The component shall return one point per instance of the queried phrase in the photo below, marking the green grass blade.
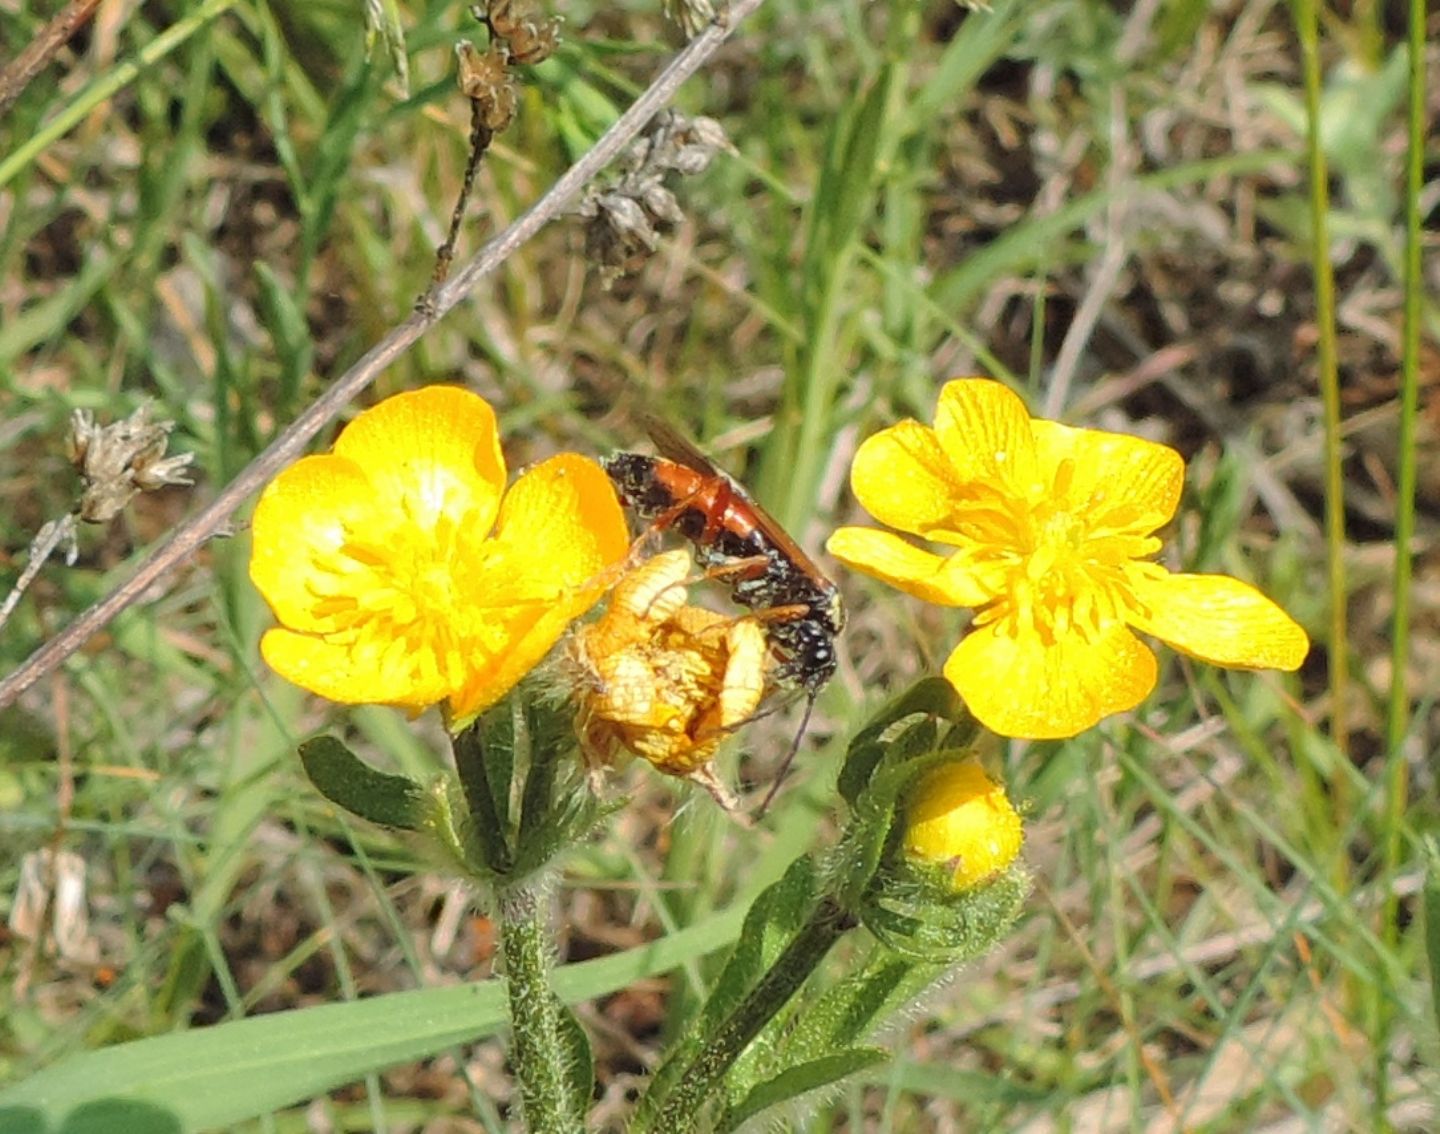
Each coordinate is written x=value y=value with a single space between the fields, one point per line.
x=1397 y=723
x=107 y=84
x=1432 y=922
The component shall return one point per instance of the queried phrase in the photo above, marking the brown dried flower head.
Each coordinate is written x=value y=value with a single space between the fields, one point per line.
x=691 y=16
x=484 y=78
x=525 y=40
x=119 y=460
x=663 y=680
x=625 y=219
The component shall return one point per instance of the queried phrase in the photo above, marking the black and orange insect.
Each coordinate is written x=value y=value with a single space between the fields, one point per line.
x=737 y=540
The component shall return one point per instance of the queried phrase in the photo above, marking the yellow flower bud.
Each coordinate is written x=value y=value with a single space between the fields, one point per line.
x=959 y=817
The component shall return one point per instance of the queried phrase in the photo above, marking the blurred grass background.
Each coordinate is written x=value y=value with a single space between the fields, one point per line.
x=219 y=206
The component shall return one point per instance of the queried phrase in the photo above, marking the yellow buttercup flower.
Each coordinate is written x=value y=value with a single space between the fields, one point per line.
x=958 y=817
x=1052 y=529
x=403 y=573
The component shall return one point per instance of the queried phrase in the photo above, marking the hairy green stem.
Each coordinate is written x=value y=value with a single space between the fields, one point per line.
x=538 y=1051
x=704 y=1073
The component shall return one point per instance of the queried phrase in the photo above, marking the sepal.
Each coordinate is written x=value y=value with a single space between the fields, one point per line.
x=348 y=782
x=916 y=913
x=933 y=699
x=523 y=788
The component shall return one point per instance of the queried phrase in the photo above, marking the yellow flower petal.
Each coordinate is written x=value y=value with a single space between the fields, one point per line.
x=957 y=814
x=984 y=429
x=341 y=673
x=1023 y=686
x=302 y=517
x=902 y=477
x=560 y=527
x=430 y=451
x=1219 y=620
x=564 y=518
x=527 y=637
x=942 y=580
x=1122 y=484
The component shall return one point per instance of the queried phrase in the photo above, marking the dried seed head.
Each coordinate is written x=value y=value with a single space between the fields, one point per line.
x=119 y=460
x=625 y=218
x=484 y=79
x=619 y=233
x=660 y=203
x=678 y=143
x=532 y=43
x=525 y=40
x=706 y=131
x=691 y=16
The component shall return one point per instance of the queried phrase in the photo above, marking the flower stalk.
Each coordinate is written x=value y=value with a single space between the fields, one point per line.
x=705 y=1072
x=539 y=1051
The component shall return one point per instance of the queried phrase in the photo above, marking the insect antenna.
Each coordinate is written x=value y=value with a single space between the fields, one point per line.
x=789 y=757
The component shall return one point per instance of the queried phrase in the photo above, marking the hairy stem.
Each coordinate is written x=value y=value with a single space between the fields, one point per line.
x=538 y=1051
x=703 y=1075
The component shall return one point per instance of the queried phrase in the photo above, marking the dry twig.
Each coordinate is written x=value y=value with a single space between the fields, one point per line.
x=487 y=81
x=18 y=73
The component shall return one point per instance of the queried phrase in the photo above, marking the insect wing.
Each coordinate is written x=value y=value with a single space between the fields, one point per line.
x=677 y=447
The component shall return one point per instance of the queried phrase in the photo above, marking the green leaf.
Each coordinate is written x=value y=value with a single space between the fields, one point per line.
x=288 y=329
x=874 y=831
x=802 y=1079
x=974 y=1088
x=217 y=1076
x=831 y=1023
x=771 y=923
x=383 y=20
x=347 y=781
x=580 y=1063
x=849 y=187
x=350 y=110
x=931 y=696
x=978 y=44
x=853 y=1008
